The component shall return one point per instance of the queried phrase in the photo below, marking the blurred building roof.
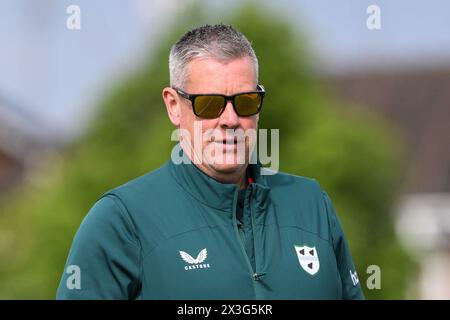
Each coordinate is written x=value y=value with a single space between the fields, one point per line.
x=23 y=136
x=23 y=142
x=418 y=102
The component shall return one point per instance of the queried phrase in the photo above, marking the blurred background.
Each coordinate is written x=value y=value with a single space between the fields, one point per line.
x=365 y=111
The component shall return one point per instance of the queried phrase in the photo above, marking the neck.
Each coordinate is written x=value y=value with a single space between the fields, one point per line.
x=238 y=177
x=243 y=181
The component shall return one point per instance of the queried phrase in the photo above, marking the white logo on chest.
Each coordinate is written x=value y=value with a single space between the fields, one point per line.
x=196 y=263
x=308 y=258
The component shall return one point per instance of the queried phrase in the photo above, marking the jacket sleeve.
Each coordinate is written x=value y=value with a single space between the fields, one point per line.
x=104 y=260
x=351 y=288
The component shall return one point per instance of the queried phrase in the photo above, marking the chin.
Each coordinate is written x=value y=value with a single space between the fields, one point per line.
x=227 y=168
x=224 y=159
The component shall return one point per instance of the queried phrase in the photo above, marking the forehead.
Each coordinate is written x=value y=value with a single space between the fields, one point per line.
x=212 y=75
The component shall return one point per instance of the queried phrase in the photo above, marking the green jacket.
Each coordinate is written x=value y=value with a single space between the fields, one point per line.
x=174 y=234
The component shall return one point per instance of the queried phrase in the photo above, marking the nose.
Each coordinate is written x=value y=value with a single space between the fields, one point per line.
x=229 y=118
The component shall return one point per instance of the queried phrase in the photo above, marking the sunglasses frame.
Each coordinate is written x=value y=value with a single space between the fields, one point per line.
x=260 y=90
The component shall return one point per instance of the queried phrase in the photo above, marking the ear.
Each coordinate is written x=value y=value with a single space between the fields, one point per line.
x=173 y=105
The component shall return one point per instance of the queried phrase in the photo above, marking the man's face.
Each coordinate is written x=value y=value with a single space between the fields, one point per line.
x=211 y=76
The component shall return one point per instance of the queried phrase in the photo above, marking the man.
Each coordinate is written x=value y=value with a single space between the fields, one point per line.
x=217 y=227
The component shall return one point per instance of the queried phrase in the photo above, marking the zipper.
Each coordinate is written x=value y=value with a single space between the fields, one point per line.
x=255 y=276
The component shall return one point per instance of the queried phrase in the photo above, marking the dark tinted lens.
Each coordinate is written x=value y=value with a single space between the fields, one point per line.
x=208 y=107
x=248 y=104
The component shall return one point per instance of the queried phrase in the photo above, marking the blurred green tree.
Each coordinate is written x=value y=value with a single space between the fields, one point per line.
x=351 y=153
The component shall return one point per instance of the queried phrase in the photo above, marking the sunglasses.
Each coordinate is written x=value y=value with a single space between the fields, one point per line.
x=210 y=106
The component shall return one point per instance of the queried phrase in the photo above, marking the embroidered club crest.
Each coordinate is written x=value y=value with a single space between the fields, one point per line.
x=308 y=258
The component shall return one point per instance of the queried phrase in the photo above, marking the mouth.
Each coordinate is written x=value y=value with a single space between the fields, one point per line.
x=229 y=141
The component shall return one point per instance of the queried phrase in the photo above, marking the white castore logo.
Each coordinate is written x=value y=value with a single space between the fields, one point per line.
x=196 y=263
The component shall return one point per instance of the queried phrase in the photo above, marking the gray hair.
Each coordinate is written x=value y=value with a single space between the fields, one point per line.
x=220 y=42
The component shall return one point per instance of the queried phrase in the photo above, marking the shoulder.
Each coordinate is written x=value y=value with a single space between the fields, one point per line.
x=116 y=206
x=155 y=179
x=294 y=185
x=144 y=189
x=300 y=201
x=106 y=220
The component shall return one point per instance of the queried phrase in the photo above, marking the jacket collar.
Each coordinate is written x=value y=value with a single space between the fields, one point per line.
x=214 y=193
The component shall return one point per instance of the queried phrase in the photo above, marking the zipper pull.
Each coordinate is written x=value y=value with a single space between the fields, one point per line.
x=257 y=276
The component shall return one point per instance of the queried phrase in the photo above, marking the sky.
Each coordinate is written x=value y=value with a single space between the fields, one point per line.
x=55 y=75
